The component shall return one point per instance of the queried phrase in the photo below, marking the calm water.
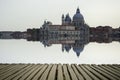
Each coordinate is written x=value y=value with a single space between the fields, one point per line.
x=22 y=51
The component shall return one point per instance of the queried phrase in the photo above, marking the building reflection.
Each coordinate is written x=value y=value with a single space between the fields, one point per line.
x=71 y=34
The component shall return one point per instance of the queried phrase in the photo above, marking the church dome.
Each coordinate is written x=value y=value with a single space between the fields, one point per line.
x=67 y=18
x=67 y=48
x=78 y=50
x=78 y=16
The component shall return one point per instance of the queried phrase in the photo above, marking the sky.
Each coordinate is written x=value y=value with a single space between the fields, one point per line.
x=18 y=15
x=22 y=14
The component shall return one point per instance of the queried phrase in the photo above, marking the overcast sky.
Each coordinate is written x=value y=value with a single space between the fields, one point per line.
x=22 y=14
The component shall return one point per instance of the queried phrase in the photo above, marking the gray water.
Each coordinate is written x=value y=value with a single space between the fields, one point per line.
x=22 y=51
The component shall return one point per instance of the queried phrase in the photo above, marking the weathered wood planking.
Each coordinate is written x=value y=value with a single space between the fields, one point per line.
x=34 y=72
x=65 y=72
x=28 y=68
x=100 y=76
x=85 y=75
x=52 y=73
x=11 y=71
x=72 y=73
x=38 y=75
x=104 y=72
x=46 y=73
x=79 y=75
x=59 y=72
x=89 y=73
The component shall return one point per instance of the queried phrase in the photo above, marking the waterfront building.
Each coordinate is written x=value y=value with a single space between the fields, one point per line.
x=72 y=33
x=6 y=35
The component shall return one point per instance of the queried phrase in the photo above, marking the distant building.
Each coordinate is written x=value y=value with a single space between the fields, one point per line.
x=72 y=33
x=6 y=35
x=13 y=35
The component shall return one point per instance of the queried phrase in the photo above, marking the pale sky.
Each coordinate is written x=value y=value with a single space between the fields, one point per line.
x=22 y=14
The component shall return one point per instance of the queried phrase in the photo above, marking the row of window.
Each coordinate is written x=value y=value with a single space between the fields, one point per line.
x=64 y=32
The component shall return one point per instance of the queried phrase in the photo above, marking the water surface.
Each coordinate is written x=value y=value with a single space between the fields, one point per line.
x=22 y=51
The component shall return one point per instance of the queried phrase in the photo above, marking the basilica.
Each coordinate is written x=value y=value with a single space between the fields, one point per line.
x=72 y=33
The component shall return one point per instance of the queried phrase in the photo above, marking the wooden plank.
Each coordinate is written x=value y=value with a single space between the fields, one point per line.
x=65 y=72
x=60 y=72
x=17 y=73
x=79 y=75
x=35 y=72
x=118 y=65
x=103 y=72
x=3 y=66
x=11 y=72
x=34 y=67
x=38 y=75
x=85 y=75
x=52 y=74
x=95 y=72
x=111 y=72
x=29 y=67
x=7 y=69
x=46 y=73
x=117 y=72
x=89 y=73
x=72 y=74
x=116 y=68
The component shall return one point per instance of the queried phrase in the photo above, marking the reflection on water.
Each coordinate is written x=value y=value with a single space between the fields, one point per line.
x=75 y=41
x=22 y=51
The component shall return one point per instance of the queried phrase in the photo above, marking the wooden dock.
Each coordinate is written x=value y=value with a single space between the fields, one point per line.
x=59 y=72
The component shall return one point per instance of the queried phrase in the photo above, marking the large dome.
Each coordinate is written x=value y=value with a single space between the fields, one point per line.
x=78 y=16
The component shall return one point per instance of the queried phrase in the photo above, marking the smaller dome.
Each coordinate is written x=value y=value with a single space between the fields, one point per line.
x=67 y=48
x=78 y=16
x=78 y=50
x=67 y=18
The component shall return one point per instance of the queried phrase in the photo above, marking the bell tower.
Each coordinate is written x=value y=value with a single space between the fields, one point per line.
x=63 y=19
